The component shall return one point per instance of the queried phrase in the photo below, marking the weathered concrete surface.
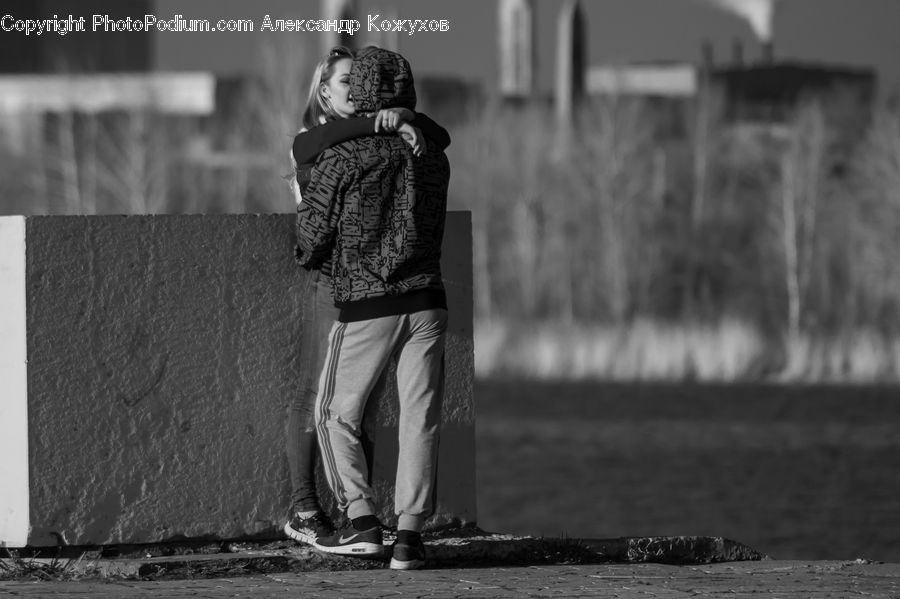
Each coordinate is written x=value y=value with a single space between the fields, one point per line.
x=162 y=353
x=446 y=548
x=824 y=580
x=674 y=550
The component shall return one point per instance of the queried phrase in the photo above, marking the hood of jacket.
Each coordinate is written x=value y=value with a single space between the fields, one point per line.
x=381 y=79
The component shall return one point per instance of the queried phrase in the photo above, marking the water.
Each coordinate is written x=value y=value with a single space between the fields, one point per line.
x=794 y=472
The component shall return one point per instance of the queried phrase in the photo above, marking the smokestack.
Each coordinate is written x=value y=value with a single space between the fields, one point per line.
x=571 y=52
x=517 y=62
x=737 y=53
x=337 y=9
x=768 y=52
x=708 y=55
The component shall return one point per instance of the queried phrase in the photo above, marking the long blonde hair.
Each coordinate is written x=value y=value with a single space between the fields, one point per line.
x=318 y=108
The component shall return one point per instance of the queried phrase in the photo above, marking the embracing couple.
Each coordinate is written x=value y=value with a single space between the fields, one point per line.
x=371 y=184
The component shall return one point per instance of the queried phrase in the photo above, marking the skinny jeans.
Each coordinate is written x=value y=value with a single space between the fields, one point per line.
x=319 y=313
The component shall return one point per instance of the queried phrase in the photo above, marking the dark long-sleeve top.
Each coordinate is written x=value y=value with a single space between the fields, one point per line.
x=309 y=144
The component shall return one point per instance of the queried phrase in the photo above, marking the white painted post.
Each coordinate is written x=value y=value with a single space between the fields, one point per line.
x=14 y=490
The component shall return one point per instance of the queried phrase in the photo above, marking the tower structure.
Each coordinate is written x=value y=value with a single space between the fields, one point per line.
x=517 y=56
x=337 y=9
x=571 y=50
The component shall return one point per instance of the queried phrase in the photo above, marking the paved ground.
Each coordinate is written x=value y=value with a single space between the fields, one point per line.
x=462 y=564
x=740 y=579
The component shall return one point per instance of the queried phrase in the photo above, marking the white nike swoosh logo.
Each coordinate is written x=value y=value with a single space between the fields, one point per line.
x=350 y=538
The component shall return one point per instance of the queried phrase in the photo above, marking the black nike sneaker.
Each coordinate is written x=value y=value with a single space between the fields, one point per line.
x=408 y=553
x=349 y=541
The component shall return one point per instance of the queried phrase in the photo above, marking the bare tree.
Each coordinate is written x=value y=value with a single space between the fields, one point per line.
x=802 y=167
x=272 y=114
x=615 y=167
x=128 y=161
x=68 y=163
x=873 y=238
x=704 y=142
x=480 y=144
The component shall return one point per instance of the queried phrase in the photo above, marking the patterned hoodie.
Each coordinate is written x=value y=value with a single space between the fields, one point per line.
x=375 y=209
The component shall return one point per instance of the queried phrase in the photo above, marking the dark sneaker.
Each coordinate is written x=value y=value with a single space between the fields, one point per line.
x=349 y=541
x=408 y=556
x=307 y=530
x=388 y=534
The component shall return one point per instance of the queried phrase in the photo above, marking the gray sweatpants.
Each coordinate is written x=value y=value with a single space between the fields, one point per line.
x=358 y=353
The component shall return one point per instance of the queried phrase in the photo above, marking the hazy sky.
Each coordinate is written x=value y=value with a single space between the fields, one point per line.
x=844 y=32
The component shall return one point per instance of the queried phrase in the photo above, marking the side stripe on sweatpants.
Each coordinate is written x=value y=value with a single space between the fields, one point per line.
x=327 y=393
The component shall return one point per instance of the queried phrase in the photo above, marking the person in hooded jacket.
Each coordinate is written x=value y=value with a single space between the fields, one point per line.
x=377 y=212
x=328 y=119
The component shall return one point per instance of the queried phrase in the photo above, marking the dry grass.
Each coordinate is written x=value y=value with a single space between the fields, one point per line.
x=14 y=567
x=860 y=357
x=648 y=350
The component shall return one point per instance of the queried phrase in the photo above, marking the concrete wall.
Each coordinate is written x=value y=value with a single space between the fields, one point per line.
x=161 y=357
